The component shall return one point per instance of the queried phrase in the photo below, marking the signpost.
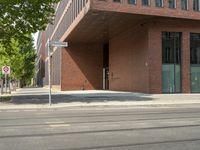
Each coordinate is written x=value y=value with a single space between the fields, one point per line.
x=50 y=45
x=6 y=69
x=6 y=72
x=1 y=84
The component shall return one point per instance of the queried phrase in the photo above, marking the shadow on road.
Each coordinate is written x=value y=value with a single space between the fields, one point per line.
x=85 y=98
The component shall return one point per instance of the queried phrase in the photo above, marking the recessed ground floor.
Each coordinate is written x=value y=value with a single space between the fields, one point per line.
x=154 y=55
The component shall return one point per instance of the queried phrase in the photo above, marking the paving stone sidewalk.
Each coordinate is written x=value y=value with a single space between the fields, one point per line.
x=38 y=98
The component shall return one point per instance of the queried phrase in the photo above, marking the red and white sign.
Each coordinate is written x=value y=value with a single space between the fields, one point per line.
x=6 y=69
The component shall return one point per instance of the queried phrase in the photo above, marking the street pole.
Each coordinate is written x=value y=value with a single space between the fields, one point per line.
x=9 y=85
x=1 y=84
x=49 y=68
x=6 y=82
x=51 y=44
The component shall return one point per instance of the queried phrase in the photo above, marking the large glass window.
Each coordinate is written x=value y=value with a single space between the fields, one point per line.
x=172 y=3
x=184 y=4
x=132 y=2
x=195 y=61
x=118 y=1
x=145 y=2
x=196 y=5
x=159 y=3
x=171 y=59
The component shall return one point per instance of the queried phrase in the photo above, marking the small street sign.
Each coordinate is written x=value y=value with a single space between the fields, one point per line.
x=59 y=44
x=6 y=69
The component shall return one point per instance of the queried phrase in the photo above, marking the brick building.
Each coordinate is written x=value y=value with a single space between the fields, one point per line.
x=149 y=46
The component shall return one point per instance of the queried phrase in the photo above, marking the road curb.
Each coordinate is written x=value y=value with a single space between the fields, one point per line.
x=46 y=106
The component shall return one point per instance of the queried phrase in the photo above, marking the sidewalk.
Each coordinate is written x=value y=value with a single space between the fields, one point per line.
x=32 y=98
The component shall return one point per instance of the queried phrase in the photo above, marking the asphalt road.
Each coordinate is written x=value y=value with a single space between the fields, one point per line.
x=101 y=129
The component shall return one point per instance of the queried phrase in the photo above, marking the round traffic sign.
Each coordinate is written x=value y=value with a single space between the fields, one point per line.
x=6 y=69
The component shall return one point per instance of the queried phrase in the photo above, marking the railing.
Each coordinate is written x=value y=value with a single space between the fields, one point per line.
x=67 y=12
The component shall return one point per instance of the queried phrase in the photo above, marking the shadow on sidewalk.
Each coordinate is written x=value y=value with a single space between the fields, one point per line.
x=85 y=98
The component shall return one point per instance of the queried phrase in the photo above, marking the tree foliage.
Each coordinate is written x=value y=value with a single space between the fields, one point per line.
x=22 y=60
x=21 y=17
x=18 y=19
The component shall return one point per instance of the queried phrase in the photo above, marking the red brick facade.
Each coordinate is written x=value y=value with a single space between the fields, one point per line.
x=129 y=61
x=136 y=57
x=81 y=67
x=134 y=35
x=159 y=26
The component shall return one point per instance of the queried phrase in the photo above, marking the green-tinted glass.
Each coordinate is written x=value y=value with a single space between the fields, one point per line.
x=195 y=79
x=168 y=78
x=171 y=59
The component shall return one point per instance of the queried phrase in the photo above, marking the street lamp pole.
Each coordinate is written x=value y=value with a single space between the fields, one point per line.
x=51 y=44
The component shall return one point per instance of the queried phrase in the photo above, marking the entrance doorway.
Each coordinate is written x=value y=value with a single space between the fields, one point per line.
x=171 y=62
x=106 y=66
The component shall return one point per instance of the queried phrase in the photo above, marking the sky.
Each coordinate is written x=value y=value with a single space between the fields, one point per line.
x=35 y=38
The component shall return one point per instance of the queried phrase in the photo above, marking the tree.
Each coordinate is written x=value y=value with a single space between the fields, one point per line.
x=22 y=60
x=18 y=19
x=21 y=17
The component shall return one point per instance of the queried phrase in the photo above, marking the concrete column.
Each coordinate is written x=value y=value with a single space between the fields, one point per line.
x=186 y=62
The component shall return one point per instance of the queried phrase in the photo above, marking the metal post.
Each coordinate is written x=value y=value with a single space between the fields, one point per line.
x=55 y=44
x=9 y=85
x=49 y=68
x=6 y=82
x=1 y=83
x=14 y=86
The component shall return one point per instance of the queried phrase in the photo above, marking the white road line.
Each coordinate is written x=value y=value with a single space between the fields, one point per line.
x=59 y=125
x=13 y=111
x=31 y=110
x=56 y=122
x=42 y=113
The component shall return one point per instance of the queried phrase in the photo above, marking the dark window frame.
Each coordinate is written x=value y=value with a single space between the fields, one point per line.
x=196 y=5
x=175 y=59
x=172 y=4
x=145 y=2
x=159 y=3
x=184 y=4
x=117 y=1
x=132 y=2
x=194 y=57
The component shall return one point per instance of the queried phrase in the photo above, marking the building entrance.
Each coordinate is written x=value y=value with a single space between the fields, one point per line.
x=171 y=62
x=106 y=66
